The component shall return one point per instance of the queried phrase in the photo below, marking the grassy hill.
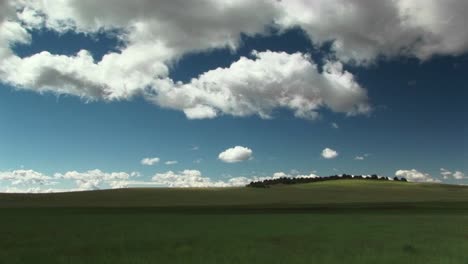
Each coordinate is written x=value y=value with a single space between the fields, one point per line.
x=353 y=222
x=329 y=193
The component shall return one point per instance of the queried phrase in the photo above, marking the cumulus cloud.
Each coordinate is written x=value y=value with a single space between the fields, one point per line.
x=29 y=181
x=186 y=178
x=25 y=177
x=97 y=179
x=457 y=175
x=171 y=162
x=194 y=178
x=415 y=176
x=153 y=39
x=362 y=30
x=190 y=178
x=33 y=181
x=358 y=29
x=329 y=153
x=258 y=85
x=153 y=35
x=235 y=154
x=281 y=174
x=149 y=161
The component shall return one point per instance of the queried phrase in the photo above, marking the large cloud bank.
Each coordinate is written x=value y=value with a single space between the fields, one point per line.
x=30 y=181
x=155 y=34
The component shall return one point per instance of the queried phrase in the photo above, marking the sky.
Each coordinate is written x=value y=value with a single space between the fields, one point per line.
x=114 y=94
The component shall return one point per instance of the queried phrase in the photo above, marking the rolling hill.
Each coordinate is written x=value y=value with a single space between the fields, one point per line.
x=337 y=193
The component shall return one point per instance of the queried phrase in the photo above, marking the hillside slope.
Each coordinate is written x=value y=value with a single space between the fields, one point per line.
x=339 y=193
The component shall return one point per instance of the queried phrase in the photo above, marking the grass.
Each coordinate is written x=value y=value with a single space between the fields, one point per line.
x=329 y=193
x=329 y=222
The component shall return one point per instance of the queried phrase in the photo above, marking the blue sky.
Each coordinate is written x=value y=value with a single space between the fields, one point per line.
x=413 y=121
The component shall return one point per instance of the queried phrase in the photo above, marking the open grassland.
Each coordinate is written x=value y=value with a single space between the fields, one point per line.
x=327 y=222
x=329 y=193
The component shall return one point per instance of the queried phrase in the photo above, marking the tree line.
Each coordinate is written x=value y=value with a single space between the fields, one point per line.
x=291 y=180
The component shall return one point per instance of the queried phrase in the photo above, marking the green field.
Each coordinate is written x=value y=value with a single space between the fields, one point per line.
x=345 y=221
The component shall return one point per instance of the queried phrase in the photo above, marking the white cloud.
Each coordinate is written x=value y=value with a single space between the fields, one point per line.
x=263 y=83
x=14 y=189
x=457 y=175
x=31 y=18
x=334 y=125
x=154 y=39
x=149 y=161
x=155 y=34
x=171 y=162
x=11 y=32
x=359 y=158
x=97 y=179
x=329 y=153
x=362 y=30
x=358 y=29
x=183 y=26
x=26 y=177
x=281 y=174
x=445 y=173
x=235 y=154
x=186 y=178
x=415 y=176
x=33 y=181
x=30 y=181
x=200 y=112
x=194 y=178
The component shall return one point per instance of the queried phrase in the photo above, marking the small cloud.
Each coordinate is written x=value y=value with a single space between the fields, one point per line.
x=149 y=161
x=362 y=157
x=194 y=148
x=235 y=154
x=198 y=161
x=294 y=171
x=329 y=153
x=171 y=162
x=335 y=125
x=457 y=175
x=445 y=173
x=281 y=174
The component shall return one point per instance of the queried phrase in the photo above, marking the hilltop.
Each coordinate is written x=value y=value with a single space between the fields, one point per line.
x=334 y=193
